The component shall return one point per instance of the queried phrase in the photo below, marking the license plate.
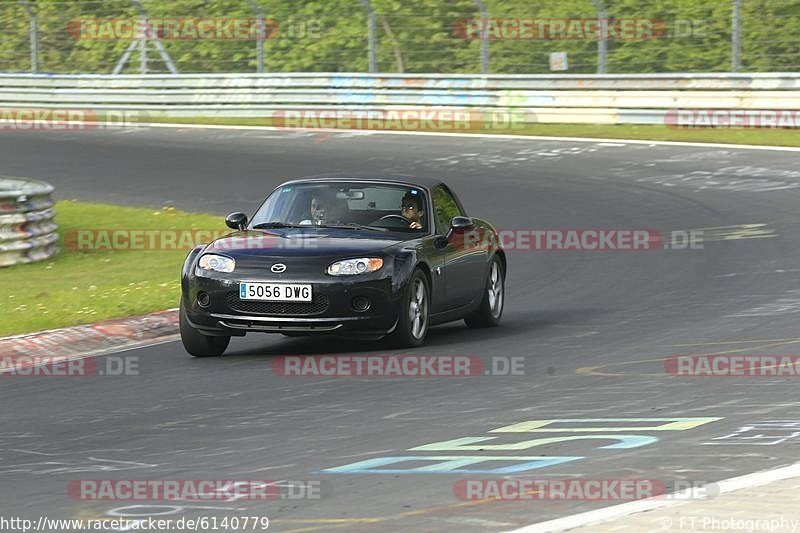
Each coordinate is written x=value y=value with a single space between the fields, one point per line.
x=275 y=292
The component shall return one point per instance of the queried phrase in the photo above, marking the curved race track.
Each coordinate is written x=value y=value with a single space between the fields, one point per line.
x=592 y=326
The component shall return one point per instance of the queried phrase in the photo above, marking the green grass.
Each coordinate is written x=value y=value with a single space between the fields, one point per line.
x=84 y=286
x=769 y=137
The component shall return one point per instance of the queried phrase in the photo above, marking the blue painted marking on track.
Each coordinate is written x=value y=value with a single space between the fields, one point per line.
x=448 y=464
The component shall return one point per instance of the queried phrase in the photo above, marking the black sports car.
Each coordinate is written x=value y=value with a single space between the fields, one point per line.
x=361 y=257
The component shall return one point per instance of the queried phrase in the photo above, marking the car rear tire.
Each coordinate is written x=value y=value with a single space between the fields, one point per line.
x=412 y=325
x=196 y=343
x=491 y=309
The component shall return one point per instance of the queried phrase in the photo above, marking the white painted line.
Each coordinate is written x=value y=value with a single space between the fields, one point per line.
x=606 y=514
x=486 y=136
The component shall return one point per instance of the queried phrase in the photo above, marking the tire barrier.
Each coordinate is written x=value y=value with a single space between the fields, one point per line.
x=27 y=230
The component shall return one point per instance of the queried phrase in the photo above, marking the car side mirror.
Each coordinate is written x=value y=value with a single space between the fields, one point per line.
x=461 y=223
x=458 y=224
x=236 y=221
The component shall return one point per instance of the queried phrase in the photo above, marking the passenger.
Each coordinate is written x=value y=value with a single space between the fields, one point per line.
x=411 y=208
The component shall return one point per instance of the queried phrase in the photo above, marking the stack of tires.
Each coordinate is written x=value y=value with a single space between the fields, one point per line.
x=27 y=230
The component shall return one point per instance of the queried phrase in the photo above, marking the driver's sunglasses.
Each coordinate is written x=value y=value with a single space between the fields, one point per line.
x=408 y=206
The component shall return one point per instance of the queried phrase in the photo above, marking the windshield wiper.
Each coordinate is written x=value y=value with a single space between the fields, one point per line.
x=352 y=225
x=277 y=225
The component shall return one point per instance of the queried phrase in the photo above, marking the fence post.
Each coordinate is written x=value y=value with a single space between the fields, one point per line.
x=736 y=36
x=372 y=35
x=484 y=35
x=143 y=44
x=261 y=28
x=602 y=38
x=143 y=50
x=34 y=34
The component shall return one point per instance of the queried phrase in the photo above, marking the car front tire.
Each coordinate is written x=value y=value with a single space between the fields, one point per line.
x=491 y=309
x=412 y=325
x=196 y=343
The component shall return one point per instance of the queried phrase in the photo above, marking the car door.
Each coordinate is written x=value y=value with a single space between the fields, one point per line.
x=436 y=256
x=464 y=267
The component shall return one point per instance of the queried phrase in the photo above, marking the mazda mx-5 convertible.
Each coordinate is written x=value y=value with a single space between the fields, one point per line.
x=360 y=257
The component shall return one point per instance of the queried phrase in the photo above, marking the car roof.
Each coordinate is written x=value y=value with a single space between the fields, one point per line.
x=422 y=182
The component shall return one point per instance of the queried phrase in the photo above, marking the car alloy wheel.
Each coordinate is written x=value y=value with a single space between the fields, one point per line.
x=418 y=309
x=488 y=314
x=495 y=290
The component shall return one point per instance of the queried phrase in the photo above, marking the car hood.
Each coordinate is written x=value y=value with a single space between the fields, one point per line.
x=297 y=242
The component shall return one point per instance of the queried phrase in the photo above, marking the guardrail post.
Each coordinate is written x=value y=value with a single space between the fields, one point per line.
x=484 y=35
x=261 y=29
x=372 y=35
x=34 y=33
x=736 y=36
x=602 y=38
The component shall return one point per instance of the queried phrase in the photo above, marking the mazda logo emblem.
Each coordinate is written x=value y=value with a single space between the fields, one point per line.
x=278 y=268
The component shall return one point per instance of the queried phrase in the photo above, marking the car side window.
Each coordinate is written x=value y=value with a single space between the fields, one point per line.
x=446 y=208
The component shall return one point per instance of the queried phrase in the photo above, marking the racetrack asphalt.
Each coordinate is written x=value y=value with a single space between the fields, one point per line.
x=593 y=328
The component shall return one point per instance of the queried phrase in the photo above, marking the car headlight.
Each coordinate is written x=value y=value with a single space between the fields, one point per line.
x=362 y=265
x=217 y=263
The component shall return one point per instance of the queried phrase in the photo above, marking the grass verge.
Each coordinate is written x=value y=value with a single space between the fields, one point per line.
x=767 y=137
x=81 y=286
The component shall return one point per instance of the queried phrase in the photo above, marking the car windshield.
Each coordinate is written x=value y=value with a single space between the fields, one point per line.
x=346 y=205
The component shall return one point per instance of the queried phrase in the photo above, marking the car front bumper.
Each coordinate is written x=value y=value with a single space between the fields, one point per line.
x=330 y=312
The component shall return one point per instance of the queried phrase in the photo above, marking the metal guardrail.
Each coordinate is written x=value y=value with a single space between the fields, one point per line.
x=608 y=99
x=27 y=230
x=656 y=81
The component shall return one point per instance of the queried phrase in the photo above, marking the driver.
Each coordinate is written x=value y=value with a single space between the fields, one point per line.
x=411 y=208
x=319 y=210
x=319 y=207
